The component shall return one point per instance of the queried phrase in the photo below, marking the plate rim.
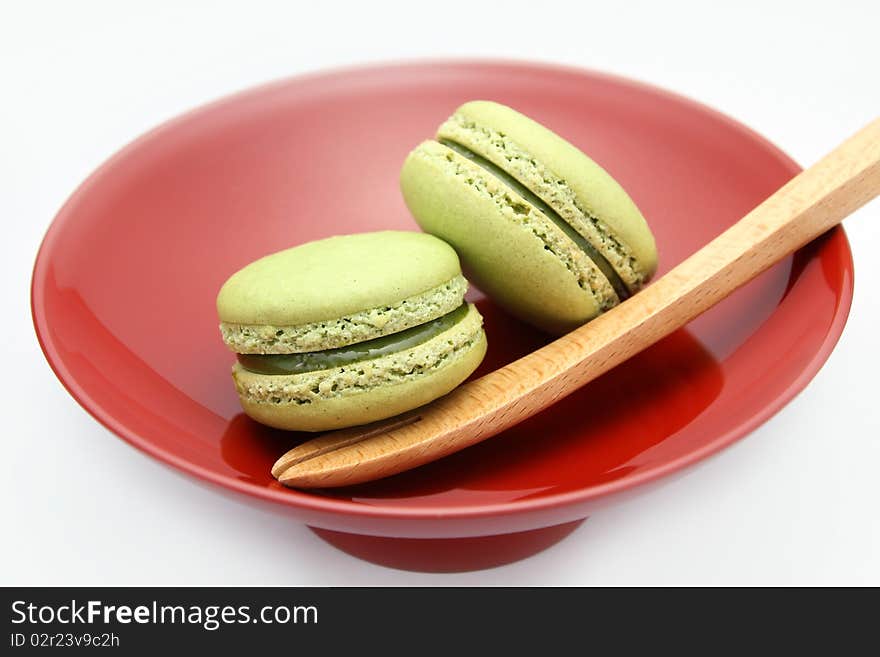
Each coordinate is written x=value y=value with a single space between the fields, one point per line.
x=341 y=507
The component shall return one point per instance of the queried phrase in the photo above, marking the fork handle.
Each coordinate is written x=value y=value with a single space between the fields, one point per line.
x=810 y=204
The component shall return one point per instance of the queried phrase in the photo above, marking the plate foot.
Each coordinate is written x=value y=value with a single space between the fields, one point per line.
x=447 y=555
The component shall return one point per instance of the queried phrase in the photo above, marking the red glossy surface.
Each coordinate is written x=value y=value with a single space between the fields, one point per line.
x=448 y=555
x=124 y=288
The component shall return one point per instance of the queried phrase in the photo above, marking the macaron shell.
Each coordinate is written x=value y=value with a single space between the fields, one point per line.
x=597 y=191
x=505 y=260
x=347 y=329
x=330 y=278
x=369 y=405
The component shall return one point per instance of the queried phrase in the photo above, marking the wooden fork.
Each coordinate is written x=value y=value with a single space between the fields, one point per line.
x=807 y=206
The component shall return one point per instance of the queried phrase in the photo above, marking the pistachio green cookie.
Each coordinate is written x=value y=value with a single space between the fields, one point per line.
x=349 y=330
x=539 y=226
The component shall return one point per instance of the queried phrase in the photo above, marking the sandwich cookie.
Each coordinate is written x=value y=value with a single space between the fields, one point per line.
x=349 y=330
x=539 y=226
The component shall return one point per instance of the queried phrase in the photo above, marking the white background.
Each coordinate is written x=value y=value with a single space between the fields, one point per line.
x=794 y=503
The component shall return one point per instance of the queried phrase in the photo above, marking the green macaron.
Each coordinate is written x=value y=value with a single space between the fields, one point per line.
x=348 y=330
x=539 y=226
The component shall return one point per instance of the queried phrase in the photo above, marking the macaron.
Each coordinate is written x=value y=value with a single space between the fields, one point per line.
x=539 y=226
x=348 y=330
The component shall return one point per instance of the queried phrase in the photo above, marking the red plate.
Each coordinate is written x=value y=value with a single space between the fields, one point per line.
x=124 y=287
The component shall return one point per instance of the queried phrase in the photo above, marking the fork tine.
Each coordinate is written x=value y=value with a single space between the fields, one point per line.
x=337 y=440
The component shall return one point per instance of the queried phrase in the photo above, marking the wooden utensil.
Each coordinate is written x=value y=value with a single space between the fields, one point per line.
x=807 y=206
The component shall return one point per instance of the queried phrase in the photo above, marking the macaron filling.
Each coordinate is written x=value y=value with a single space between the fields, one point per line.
x=301 y=363
x=535 y=201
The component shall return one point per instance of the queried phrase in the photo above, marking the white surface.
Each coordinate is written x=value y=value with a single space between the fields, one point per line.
x=795 y=503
